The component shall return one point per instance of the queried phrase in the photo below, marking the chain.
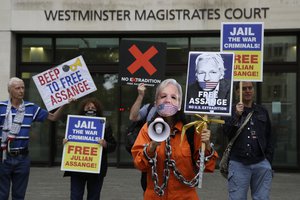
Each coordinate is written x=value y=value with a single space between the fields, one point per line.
x=171 y=164
x=166 y=173
x=191 y=183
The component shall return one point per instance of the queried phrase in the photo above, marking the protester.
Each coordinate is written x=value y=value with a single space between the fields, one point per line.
x=94 y=182
x=252 y=153
x=16 y=118
x=137 y=113
x=209 y=75
x=171 y=155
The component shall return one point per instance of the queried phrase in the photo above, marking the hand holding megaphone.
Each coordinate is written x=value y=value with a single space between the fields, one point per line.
x=159 y=130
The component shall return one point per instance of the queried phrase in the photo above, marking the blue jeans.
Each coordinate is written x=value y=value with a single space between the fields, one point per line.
x=256 y=176
x=14 y=170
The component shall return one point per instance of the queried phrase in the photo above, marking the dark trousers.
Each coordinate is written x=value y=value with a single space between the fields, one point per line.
x=93 y=182
x=14 y=172
x=144 y=180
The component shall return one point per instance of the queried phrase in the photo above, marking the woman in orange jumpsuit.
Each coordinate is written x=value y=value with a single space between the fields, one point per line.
x=161 y=159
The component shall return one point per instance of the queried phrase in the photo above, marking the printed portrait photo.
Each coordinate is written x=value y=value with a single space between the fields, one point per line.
x=209 y=83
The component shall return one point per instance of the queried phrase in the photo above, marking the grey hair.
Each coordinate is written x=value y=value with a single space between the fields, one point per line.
x=216 y=57
x=166 y=82
x=12 y=81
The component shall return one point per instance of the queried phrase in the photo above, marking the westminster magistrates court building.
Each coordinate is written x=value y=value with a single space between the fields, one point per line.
x=36 y=35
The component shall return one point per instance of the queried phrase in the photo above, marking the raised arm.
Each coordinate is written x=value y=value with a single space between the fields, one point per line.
x=57 y=114
x=134 y=111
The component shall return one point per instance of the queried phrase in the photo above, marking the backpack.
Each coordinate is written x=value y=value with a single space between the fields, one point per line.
x=133 y=130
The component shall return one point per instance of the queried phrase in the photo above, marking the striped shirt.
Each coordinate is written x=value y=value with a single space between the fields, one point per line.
x=32 y=113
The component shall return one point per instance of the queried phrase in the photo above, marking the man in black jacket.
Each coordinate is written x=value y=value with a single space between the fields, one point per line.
x=252 y=153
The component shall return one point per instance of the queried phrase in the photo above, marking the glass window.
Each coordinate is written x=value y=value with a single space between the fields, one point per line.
x=280 y=48
x=37 y=50
x=177 y=48
x=93 y=50
x=205 y=44
x=279 y=97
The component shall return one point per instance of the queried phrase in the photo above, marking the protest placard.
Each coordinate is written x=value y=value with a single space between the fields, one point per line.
x=69 y=80
x=142 y=62
x=82 y=152
x=246 y=41
x=209 y=83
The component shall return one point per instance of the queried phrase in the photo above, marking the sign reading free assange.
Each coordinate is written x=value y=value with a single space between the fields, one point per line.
x=209 y=83
x=69 y=80
x=82 y=152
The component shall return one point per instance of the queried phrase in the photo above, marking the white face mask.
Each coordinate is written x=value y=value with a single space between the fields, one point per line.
x=167 y=110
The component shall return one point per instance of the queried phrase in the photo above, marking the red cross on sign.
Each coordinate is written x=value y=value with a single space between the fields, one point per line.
x=142 y=60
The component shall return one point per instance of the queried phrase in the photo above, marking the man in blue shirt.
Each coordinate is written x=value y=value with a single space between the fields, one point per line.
x=16 y=117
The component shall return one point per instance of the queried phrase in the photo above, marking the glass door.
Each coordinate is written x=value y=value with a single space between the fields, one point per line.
x=278 y=95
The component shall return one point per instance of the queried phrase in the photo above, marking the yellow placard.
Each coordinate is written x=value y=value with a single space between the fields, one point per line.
x=82 y=157
x=247 y=66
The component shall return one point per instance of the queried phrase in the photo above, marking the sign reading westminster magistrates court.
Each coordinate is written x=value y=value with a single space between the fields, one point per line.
x=171 y=14
x=82 y=152
x=70 y=80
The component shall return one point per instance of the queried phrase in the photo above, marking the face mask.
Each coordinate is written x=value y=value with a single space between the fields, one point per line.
x=90 y=112
x=208 y=86
x=166 y=110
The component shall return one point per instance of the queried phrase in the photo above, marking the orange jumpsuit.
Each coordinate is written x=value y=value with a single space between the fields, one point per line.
x=175 y=190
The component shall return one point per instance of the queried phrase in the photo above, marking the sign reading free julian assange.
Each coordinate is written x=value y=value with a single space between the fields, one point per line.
x=82 y=151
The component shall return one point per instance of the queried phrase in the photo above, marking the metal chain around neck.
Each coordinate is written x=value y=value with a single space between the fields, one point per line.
x=166 y=173
x=170 y=163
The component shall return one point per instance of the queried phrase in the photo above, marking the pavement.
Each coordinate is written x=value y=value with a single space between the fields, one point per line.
x=48 y=183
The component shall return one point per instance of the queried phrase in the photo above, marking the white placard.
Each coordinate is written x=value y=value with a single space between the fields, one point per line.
x=57 y=85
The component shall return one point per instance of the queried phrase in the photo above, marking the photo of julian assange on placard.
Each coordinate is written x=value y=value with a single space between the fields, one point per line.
x=209 y=83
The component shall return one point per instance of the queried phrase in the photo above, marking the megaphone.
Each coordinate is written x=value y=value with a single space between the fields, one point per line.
x=159 y=130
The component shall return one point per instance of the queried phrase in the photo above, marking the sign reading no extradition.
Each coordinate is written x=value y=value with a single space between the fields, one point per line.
x=142 y=62
x=82 y=152
x=69 y=80
x=246 y=41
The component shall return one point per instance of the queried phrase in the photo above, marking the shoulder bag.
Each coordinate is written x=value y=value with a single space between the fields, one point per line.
x=223 y=165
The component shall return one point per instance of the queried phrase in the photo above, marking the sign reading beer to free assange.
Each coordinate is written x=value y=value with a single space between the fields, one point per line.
x=82 y=152
x=69 y=80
